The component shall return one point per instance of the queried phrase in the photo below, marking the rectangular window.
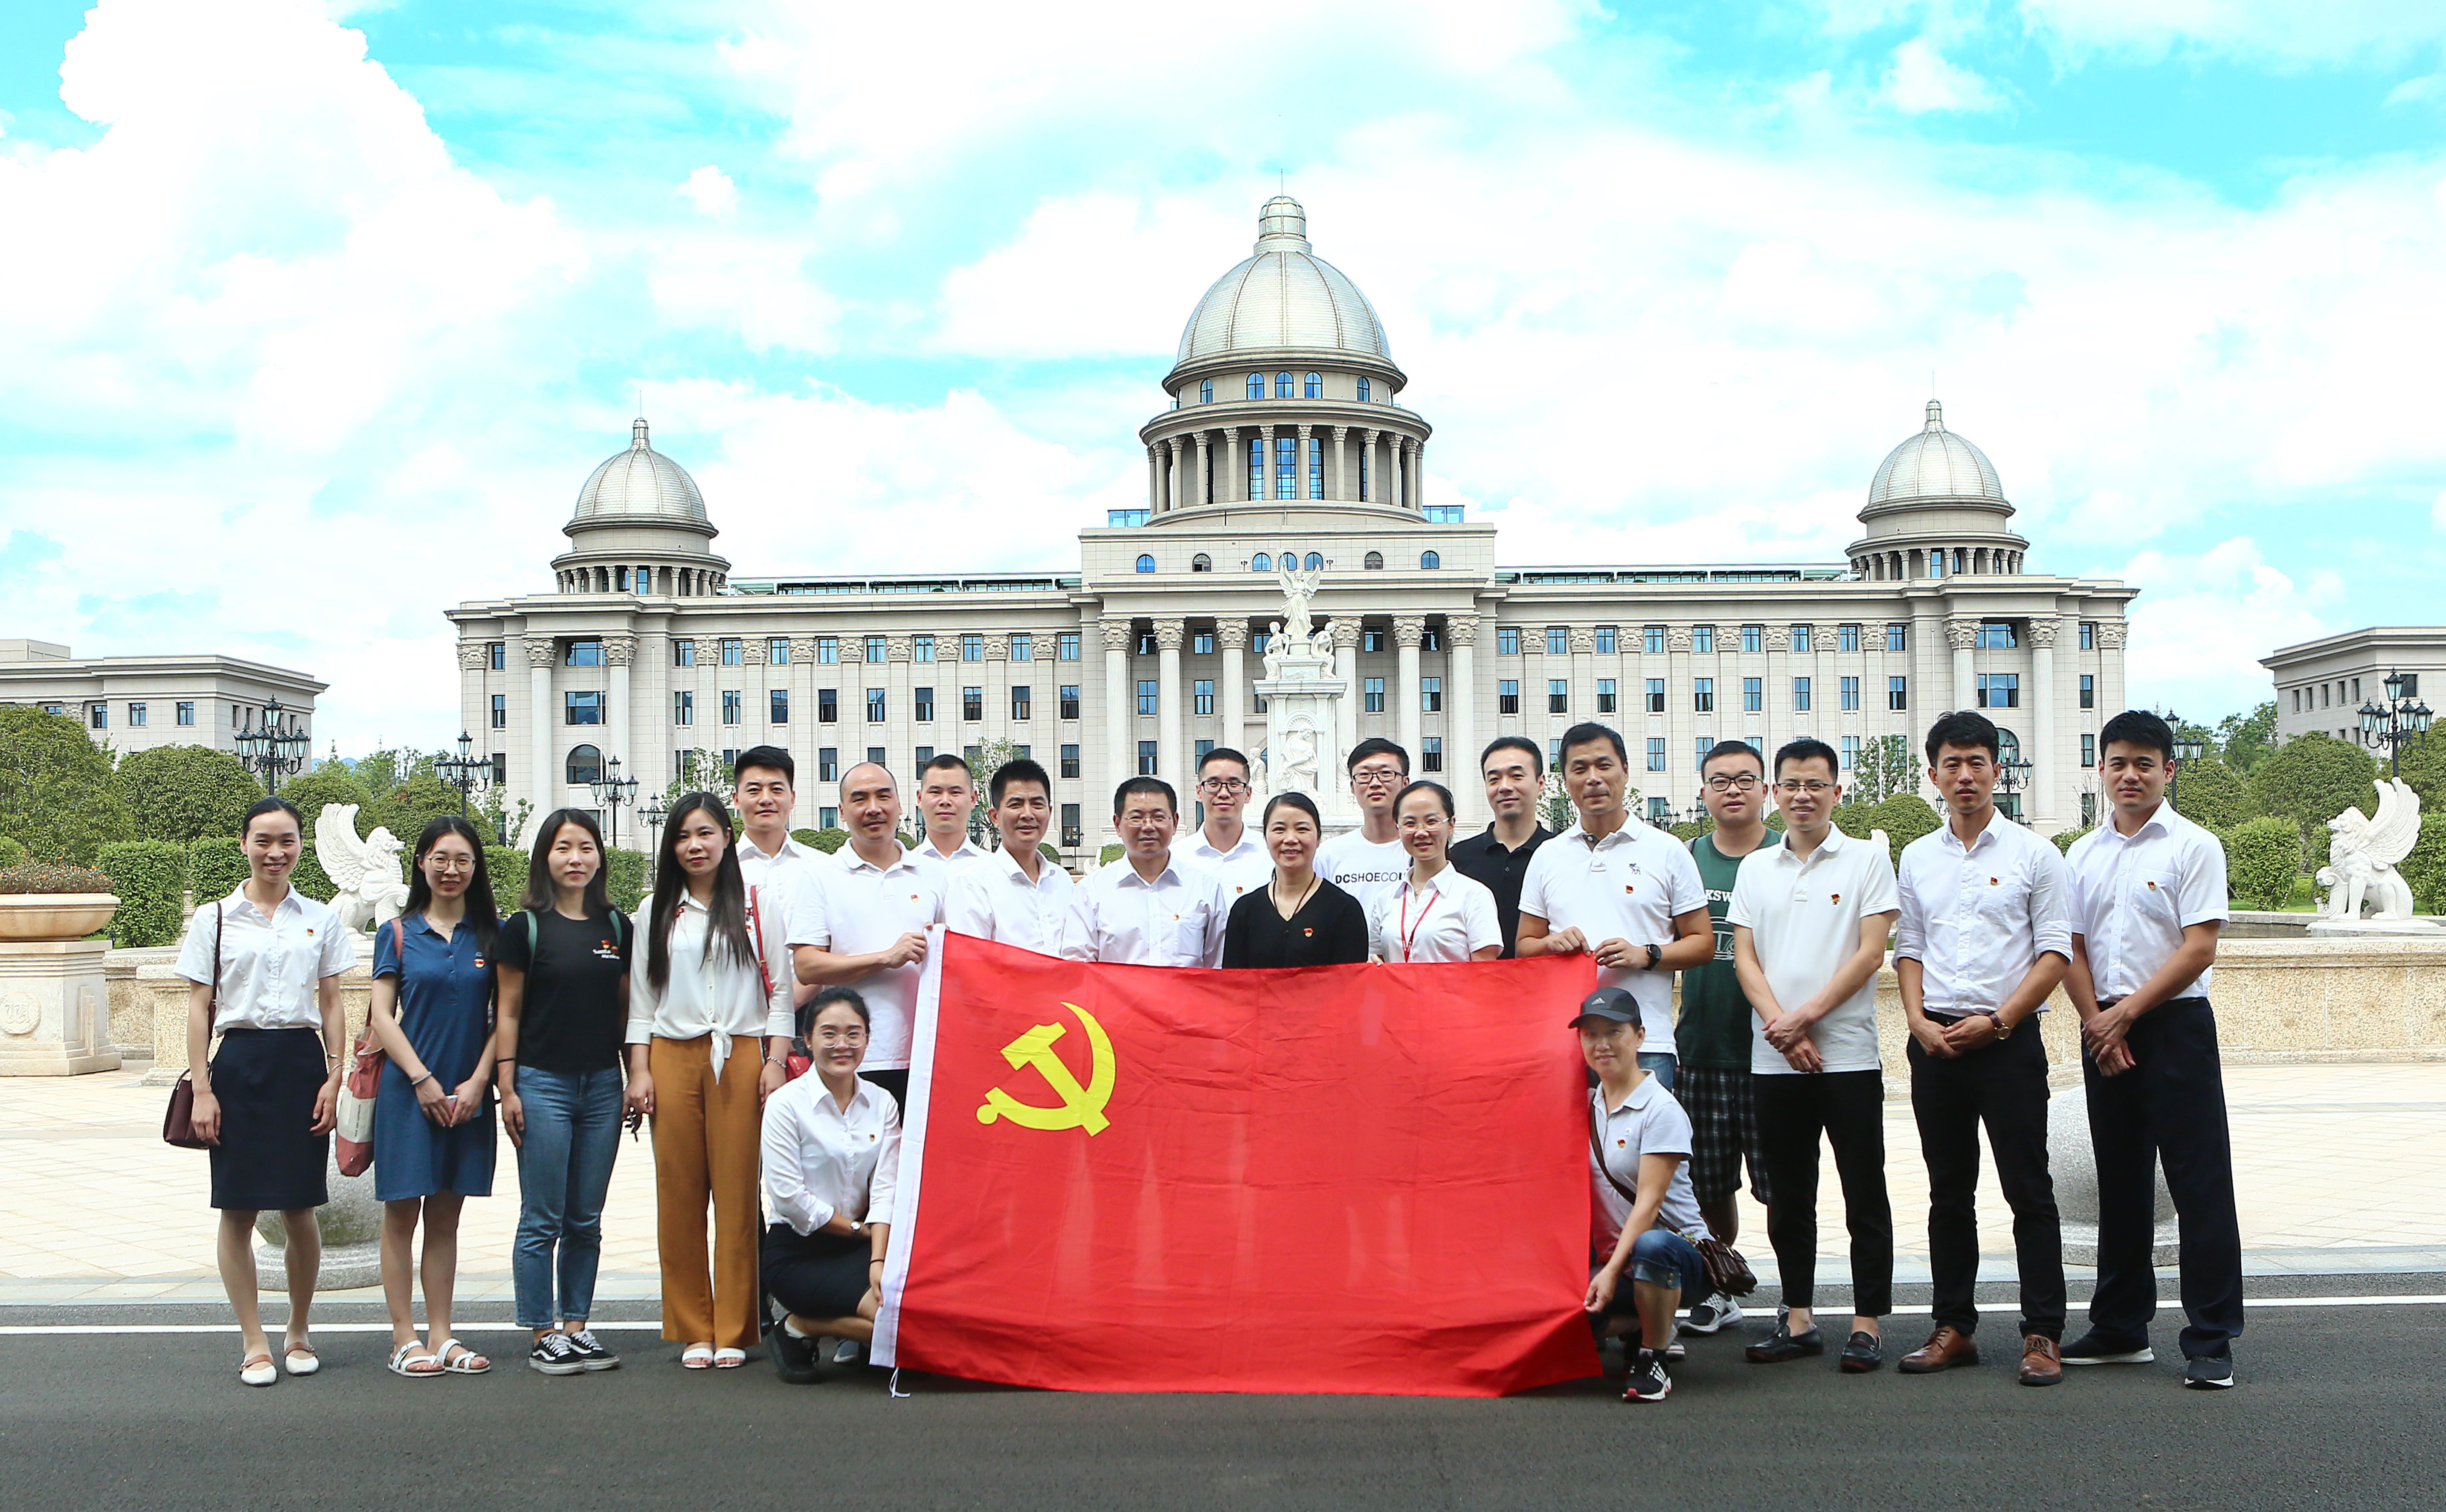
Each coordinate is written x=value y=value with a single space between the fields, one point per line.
x=497 y=655
x=973 y=646
x=1202 y=695
x=1146 y=758
x=683 y=652
x=1753 y=638
x=1752 y=694
x=2000 y=690
x=1652 y=640
x=1023 y=647
x=1703 y=639
x=1800 y=695
x=828 y=818
x=828 y=765
x=501 y=776
x=1431 y=695
x=1608 y=639
x=734 y=651
x=1431 y=639
x=136 y=716
x=501 y=714
x=1897 y=638
x=926 y=753
x=1799 y=642
x=921 y=649
x=1073 y=835
x=1507 y=697
x=1702 y=695
x=1850 y=751
x=1997 y=636
x=1021 y=695
x=827 y=705
x=582 y=709
x=1605 y=695
x=1559 y=696
x=828 y=650
x=1851 y=693
x=730 y=705
x=1202 y=746
x=1847 y=637
x=875 y=710
x=1655 y=696
x=972 y=704
x=1655 y=753
x=1375 y=694
x=2089 y=750
x=1558 y=641
x=1069 y=700
x=2089 y=635
x=1431 y=753
x=1507 y=640
x=780 y=699
x=1070 y=761
x=2411 y=685
x=1067 y=645
x=777 y=650
x=1371 y=639
x=1699 y=752
x=2089 y=692
x=877 y=755
x=878 y=648
x=1147 y=695
x=583 y=653
x=1898 y=692
x=1201 y=643
x=1146 y=644
x=923 y=700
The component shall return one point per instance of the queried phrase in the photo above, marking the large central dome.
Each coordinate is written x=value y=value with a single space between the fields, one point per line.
x=1284 y=296
x=1936 y=464
x=641 y=483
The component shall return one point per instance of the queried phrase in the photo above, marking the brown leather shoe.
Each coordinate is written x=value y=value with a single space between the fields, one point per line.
x=1945 y=1348
x=2041 y=1363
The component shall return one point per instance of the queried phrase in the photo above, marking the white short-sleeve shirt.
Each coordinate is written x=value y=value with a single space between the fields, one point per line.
x=1244 y=868
x=1445 y=920
x=1804 y=920
x=1977 y=917
x=1366 y=869
x=1628 y=886
x=1649 y=1122
x=994 y=900
x=2134 y=895
x=269 y=967
x=1175 y=920
x=855 y=906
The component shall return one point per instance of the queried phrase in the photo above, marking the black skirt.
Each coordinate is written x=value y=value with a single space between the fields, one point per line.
x=816 y=1274
x=269 y=1159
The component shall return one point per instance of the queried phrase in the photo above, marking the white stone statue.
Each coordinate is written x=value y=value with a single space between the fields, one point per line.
x=1299 y=771
x=1321 y=643
x=2362 y=856
x=366 y=871
x=1299 y=587
x=1275 y=649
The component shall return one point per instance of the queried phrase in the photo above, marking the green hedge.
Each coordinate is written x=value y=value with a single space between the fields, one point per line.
x=2425 y=868
x=505 y=867
x=10 y=852
x=216 y=866
x=185 y=792
x=2263 y=857
x=2063 y=838
x=150 y=877
x=1904 y=819
x=626 y=878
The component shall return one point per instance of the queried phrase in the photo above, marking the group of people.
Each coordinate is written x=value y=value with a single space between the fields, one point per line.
x=765 y=1032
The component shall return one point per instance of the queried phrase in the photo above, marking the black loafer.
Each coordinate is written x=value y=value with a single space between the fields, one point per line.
x=1784 y=1345
x=794 y=1358
x=1861 y=1355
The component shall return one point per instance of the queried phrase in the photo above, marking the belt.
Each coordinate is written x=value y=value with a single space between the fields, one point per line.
x=2197 y=997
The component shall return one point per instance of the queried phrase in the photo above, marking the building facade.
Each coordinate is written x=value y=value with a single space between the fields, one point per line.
x=134 y=703
x=2322 y=683
x=1283 y=440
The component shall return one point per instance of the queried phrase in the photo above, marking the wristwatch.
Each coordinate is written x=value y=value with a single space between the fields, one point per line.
x=1655 y=956
x=1996 y=1016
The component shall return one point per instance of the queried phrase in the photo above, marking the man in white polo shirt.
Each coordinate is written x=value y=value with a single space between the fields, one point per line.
x=1143 y=909
x=1984 y=936
x=865 y=925
x=1015 y=895
x=2149 y=899
x=1810 y=918
x=1625 y=892
x=1223 y=847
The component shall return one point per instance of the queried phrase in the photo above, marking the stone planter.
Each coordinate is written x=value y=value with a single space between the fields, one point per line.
x=53 y=915
x=351 y=1227
x=54 y=1003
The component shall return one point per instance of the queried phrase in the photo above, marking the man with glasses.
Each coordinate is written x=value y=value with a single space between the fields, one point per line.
x=1514 y=772
x=1713 y=1038
x=1224 y=848
x=1369 y=862
x=1986 y=935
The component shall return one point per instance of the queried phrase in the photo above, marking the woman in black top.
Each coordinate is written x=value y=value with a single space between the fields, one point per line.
x=1300 y=920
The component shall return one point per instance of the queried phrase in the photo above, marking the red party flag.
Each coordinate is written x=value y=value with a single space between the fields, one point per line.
x=1363 y=1179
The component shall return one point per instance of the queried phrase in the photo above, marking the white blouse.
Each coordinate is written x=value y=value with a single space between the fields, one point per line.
x=821 y=1159
x=726 y=998
x=1445 y=920
x=269 y=967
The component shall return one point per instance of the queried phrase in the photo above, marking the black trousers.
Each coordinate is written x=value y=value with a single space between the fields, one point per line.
x=1848 y=1108
x=2168 y=1108
x=2003 y=1085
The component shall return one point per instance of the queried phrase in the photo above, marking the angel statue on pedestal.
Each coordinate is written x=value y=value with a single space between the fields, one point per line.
x=1299 y=587
x=2362 y=856
x=366 y=871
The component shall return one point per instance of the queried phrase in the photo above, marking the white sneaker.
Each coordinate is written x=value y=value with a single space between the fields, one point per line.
x=845 y=1353
x=1711 y=1313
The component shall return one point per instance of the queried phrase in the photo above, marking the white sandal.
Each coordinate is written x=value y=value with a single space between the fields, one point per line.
x=301 y=1358
x=696 y=1356
x=726 y=1359
x=460 y=1365
x=258 y=1369
x=402 y=1364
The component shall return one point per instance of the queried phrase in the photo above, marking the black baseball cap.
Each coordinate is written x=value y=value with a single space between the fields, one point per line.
x=1610 y=1003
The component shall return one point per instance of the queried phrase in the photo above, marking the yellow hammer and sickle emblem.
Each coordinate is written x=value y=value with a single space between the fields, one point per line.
x=1081 y=1106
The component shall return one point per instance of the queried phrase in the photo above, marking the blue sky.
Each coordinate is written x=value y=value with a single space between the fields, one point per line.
x=319 y=314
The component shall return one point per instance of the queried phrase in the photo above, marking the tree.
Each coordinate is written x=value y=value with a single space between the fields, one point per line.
x=57 y=798
x=1883 y=769
x=182 y=793
x=150 y=877
x=2064 y=837
x=2312 y=778
x=2424 y=869
x=2210 y=793
x=2423 y=764
x=1903 y=818
x=331 y=782
x=2263 y=858
x=1555 y=810
x=989 y=758
x=2243 y=740
x=415 y=802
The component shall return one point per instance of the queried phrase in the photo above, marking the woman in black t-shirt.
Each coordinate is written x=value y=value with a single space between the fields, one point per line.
x=1300 y=920
x=563 y=962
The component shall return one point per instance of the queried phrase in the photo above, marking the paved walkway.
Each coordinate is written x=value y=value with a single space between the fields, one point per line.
x=2341 y=1170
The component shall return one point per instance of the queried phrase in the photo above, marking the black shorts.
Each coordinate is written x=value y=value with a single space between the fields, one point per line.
x=816 y=1274
x=1723 y=1129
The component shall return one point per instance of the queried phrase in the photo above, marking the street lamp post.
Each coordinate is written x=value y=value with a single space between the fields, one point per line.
x=273 y=747
x=612 y=790
x=2187 y=748
x=465 y=771
x=654 y=813
x=2392 y=723
x=2013 y=775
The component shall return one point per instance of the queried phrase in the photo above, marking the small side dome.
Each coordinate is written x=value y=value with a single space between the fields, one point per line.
x=640 y=484
x=1936 y=464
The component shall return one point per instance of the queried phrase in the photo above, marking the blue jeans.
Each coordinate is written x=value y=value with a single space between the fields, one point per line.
x=572 y=1135
x=1663 y=1258
x=1659 y=1065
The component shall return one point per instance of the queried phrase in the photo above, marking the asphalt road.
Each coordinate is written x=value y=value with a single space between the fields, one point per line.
x=2335 y=1408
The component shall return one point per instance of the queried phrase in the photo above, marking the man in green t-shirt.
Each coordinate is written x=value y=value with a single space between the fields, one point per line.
x=1716 y=1026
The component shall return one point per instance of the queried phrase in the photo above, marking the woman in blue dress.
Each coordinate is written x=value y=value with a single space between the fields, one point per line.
x=432 y=1012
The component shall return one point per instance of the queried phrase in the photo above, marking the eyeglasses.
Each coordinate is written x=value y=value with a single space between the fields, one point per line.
x=451 y=863
x=1376 y=776
x=840 y=1036
x=1812 y=787
x=1732 y=784
x=1223 y=784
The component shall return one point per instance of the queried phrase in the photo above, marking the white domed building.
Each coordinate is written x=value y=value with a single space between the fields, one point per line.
x=1283 y=439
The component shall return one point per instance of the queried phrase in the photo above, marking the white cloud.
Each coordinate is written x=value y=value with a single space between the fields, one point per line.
x=2202 y=622
x=2276 y=30
x=710 y=190
x=1921 y=79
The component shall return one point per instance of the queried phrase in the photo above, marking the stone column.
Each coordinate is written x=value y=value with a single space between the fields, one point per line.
x=1171 y=750
x=1120 y=751
x=1299 y=468
x=1367 y=453
x=1231 y=689
x=2111 y=698
x=1234 y=471
x=620 y=722
x=543 y=781
x=1340 y=486
x=806 y=734
x=1408 y=630
x=1345 y=666
x=2045 y=794
x=1155 y=480
x=1460 y=716
x=1265 y=473
x=1962 y=635
x=1197 y=490
x=1419 y=476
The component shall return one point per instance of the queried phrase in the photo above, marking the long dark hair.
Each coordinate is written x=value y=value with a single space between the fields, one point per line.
x=540 y=891
x=481 y=914
x=726 y=924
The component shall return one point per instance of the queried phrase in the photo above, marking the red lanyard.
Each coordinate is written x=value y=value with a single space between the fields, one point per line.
x=1410 y=930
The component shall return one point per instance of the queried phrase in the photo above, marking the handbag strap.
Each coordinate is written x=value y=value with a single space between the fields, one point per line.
x=1596 y=1149
x=756 y=942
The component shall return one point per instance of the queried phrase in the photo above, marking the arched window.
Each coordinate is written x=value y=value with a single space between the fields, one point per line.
x=1375 y=562
x=1315 y=386
x=1256 y=386
x=1315 y=561
x=1201 y=563
x=584 y=765
x=1206 y=392
x=1281 y=386
x=1363 y=390
x=1146 y=563
x=1261 y=563
x=1429 y=561
x=2008 y=745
